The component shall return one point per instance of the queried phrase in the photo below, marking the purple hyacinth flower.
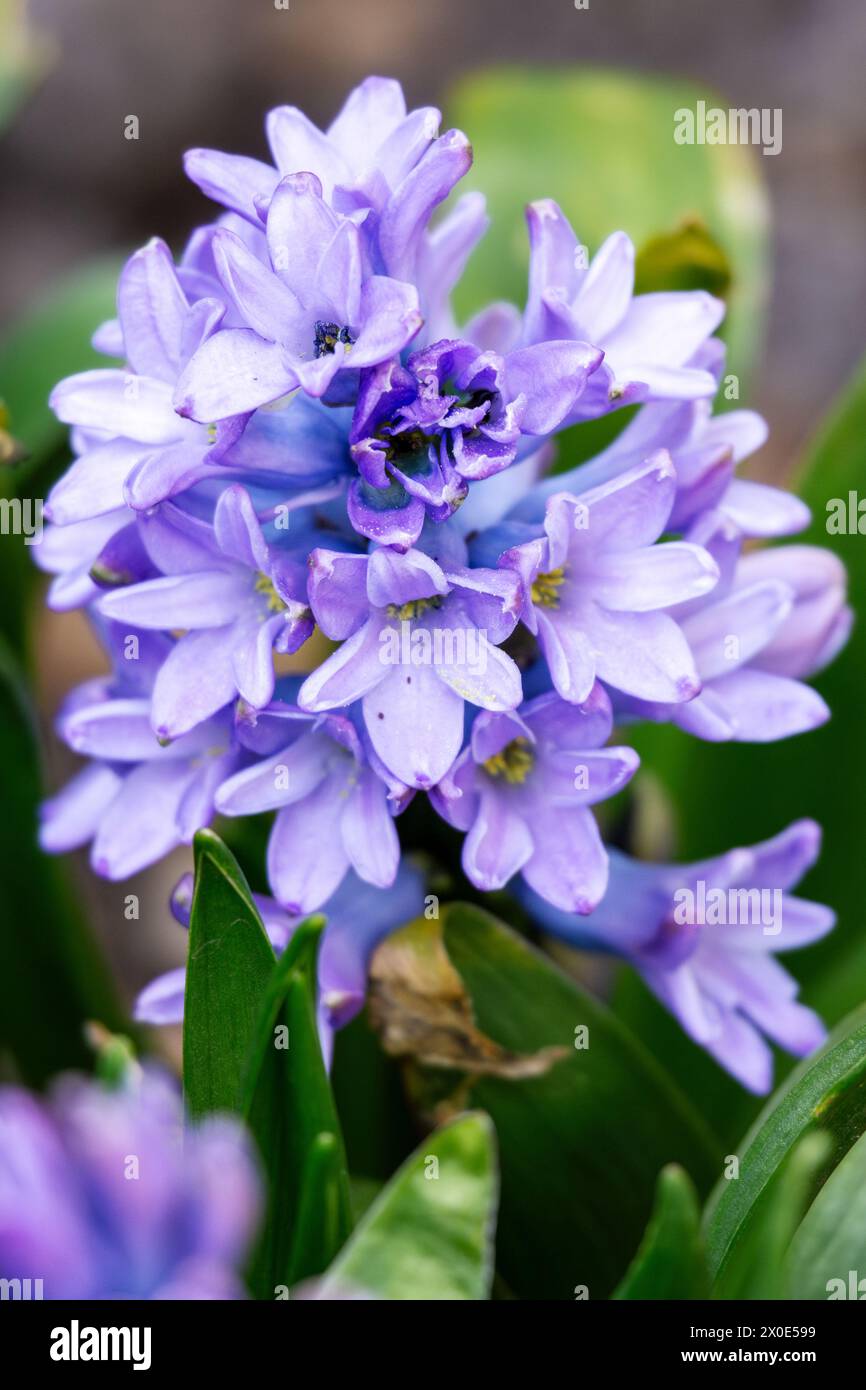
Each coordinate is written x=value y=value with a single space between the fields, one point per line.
x=649 y=340
x=521 y=789
x=311 y=310
x=705 y=450
x=367 y=151
x=104 y=1196
x=358 y=916
x=137 y=799
x=775 y=616
x=703 y=938
x=138 y=450
x=418 y=640
x=595 y=584
x=453 y=415
x=334 y=812
x=238 y=598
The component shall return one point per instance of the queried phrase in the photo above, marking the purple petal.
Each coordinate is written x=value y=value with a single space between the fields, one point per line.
x=369 y=834
x=207 y=599
x=138 y=407
x=195 y=680
x=551 y=376
x=232 y=372
x=390 y=317
x=415 y=723
x=306 y=861
x=412 y=203
x=262 y=299
x=152 y=309
x=498 y=844
x=231 y=179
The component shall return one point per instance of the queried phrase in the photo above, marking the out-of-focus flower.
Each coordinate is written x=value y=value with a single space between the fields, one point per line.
x=104 y=1196
x=703 y=936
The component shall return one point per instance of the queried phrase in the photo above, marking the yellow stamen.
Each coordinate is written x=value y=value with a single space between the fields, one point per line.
x=545 y=590
x=405 y=612
x=265 y=587
x=514 y=762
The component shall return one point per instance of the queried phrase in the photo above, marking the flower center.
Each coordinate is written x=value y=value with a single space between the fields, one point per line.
x=265 y=587
x=545 y=589
x=328 y=335
x=514 y=762
x=405 y=445
x=413 y=609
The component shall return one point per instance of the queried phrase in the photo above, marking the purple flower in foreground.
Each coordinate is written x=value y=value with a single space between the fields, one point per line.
x=776 y=615
x=103 y=1195
x=333 y=809
x=705 y=450
x=311 y=311
x=649 y=340
x=137 y=799
x=453 y=415
x=421 y=641
x=368 y=151
x=137 y=448
x=358 y=918
x=595 y=583
x=703 y=937
x=238 y=598
x=521 y=790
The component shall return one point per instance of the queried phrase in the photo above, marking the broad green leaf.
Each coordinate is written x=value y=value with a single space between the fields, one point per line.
x=601 y=144
x=290 y=1110
x=52 y=977
x=826 y=1093
x=50 y=342
x=734 y=794
x=726 y=1106
x=229 y=965
x=757 y=1268
x=831 y=1240
x=428 y=1236
x=582 y=1143
x=670 y=1263
x=377 y=1127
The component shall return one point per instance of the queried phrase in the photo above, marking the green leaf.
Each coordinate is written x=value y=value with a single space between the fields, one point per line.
x=290 y=1110
x=581 y=1145
x=52 y=976
x=50 y=342
x=601 y=144
x=757 y=1270
x=831 y=1240
x=670 y=1263
x=428 y=1236
x=230 y=963
x=826 y=1093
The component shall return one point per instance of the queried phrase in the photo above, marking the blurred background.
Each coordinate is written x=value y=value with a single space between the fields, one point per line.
x=204 y=72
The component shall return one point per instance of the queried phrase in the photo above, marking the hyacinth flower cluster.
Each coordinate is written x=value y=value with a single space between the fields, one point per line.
x=338 y=560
